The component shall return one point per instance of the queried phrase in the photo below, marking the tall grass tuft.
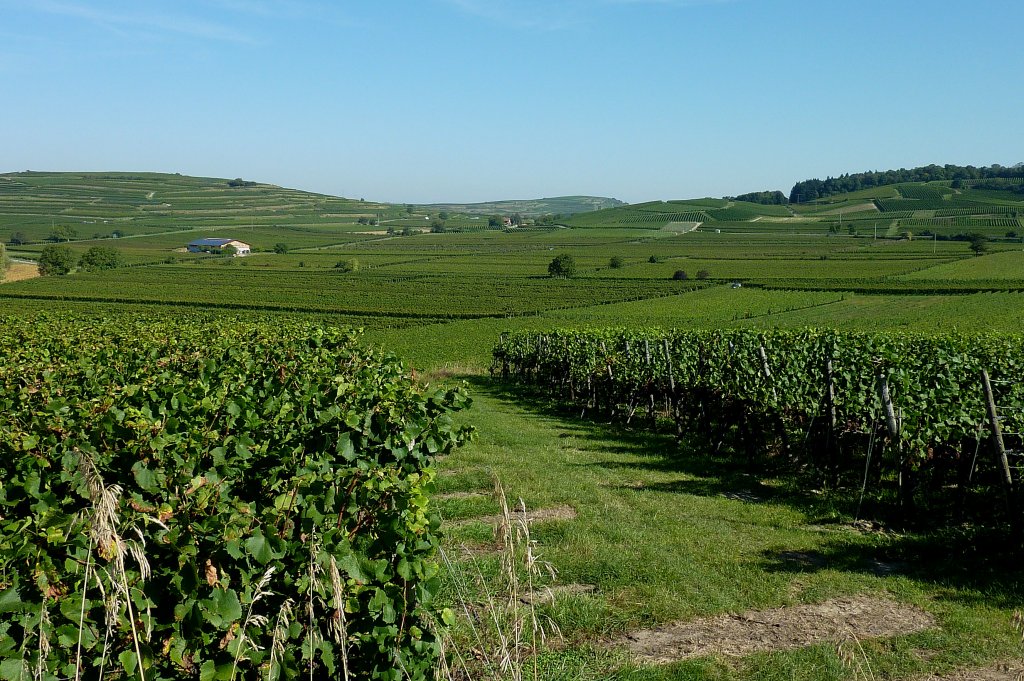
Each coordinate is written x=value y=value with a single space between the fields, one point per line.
x=503 y=629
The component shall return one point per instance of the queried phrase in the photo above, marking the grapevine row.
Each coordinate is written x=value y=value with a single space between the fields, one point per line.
x=921 y=396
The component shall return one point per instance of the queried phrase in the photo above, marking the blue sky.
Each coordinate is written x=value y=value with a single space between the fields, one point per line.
x=472 y=100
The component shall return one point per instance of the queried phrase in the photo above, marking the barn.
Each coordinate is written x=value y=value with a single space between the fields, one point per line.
x=218 y=245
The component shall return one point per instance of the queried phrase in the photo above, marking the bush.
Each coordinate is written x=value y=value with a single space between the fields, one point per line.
x=349 y=265
x=101 y=258
x=653 y=259
x=280 y=248
x=703 y=274
x=680 y=275
x=616 y=261
x=56 y=260
x=563 y=266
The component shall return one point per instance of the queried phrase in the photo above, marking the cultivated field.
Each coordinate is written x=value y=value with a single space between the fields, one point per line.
x=674 y=554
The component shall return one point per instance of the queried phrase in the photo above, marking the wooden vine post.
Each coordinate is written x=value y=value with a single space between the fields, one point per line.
x=650 y=381
x=904 y=493
x=831 y=446
x=997 y=442
x=673 y=399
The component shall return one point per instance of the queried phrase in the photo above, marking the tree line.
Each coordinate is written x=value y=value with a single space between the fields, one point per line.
x=809 y=190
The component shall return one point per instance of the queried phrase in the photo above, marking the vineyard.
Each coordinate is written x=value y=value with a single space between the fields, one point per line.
x=912 y=415
x=688 y=475
x=208 y=500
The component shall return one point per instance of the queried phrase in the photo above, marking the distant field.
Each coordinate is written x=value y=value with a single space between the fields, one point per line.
x=811 y=263
x=1008 y=265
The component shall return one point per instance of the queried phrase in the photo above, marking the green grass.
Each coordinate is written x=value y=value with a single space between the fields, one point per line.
x=662 y=534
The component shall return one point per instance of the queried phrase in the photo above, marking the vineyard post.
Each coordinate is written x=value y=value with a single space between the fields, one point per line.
x=767 y=370
x=890 y=415
x=893 y=426
x=611 y=378
x=650 y=380
x=830 y=443
x=997 y=440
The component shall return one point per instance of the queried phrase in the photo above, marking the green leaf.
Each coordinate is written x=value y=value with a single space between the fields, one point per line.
x=10 y=601
x=345 y=447
x=13 y=670
x=226 y=604
x=259 y=548
x=129 y=661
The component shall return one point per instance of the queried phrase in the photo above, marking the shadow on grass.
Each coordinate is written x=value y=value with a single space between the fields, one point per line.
x=976 y=564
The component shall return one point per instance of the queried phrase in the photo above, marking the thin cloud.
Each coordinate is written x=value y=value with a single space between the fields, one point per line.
x=128 y=21
x=555 y=14
x=524 y=15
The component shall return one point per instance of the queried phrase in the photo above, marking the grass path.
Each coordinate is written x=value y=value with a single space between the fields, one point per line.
x=665 y=533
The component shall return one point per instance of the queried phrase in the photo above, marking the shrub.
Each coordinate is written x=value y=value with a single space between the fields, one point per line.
x=680 y=275
x=56 y=260
x=101 y=258
x=703 y=274
x=349 y=265
x=616 y=261
x=563 y=266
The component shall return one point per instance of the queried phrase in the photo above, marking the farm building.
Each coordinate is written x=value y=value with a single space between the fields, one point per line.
x=215 y=245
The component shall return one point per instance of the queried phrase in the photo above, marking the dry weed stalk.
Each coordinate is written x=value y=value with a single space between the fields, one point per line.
x=854 y=657
x=104 y=523
x=257 y=620
x=511 y=629
x=338 y=623
x=284 y=620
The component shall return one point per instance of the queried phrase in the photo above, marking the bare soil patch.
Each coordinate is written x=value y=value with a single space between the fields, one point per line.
x=540 y=515
x=778 y=629
x=996 y=672
x=549 y=594
x=460 y=495
x=19 y=271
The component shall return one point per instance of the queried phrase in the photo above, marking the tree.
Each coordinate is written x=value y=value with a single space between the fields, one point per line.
x=437 y=227
x=101 y=258
x=409 y=208
x=563 y=266
x=409 y=231
x=63 y=233
x=443 y=215
x=680 y=275
x=703 y=274
x=350 y=265
x=280 y=248
x=616 y=261
x=3 y=261
x=494 y=221
x=18 y=238
x=56 y=260
x=979 y=243
x=653 y=259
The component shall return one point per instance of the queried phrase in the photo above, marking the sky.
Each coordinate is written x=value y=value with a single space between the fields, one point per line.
x=424 y=101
